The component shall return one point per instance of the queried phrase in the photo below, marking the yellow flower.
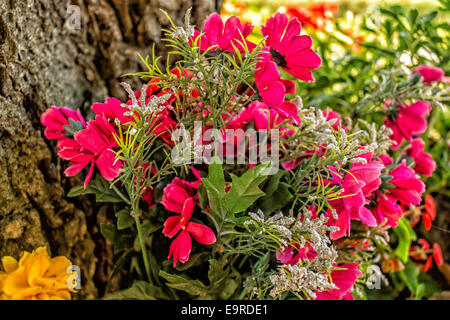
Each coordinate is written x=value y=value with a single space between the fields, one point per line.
x=35 y=276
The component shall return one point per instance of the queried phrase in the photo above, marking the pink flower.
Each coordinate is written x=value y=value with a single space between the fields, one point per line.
x=293 y=253
x=289 y=49
x=423 y=161
x=344 y=281
x=55 y=118
x=330 y=114
x=180 y=248
x=408 y=121
x=178 y=197
x=429 y=74
x=92 y=145
x=358 y=184
x=267 y=78
x=386 y=159
x=224 y=37
x=112 y=109
x=266 y=118
x=387 y=210
x=408 y=187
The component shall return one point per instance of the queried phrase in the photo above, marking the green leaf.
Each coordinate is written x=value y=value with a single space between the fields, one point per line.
x=277 y=194
x=140 y=290
x=409 y=276
x=428 y=17
x=430 y=285
x=215 y=189
x=119 y=238
x=98 y=186
x=124 y=219
x=404 y=239
x=117 y=266
x=183 y=283
x=194 y=260
x=244 y=190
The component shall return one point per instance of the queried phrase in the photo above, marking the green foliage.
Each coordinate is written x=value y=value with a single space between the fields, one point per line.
x=405 y=235
x=243 y=193
x=223 y=282
x=100 y=188
x=139 y=290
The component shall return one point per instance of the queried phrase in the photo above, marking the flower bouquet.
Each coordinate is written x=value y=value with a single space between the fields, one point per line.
x=225 y=186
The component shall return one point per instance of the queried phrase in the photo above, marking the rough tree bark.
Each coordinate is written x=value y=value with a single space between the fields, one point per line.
x=43 y=62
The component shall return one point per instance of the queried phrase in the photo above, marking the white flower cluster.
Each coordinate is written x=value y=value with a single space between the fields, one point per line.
x=151 y=107
x=309 y=275
x=188 y=31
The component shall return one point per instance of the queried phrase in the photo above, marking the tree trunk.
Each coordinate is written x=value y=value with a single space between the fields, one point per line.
x=65 y=53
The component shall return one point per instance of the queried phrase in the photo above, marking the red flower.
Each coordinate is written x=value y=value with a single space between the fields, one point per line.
x=427 y=212
x=181 y=246
x=423 y=161
x=92 y=145
x=271 y=88
x=178 y=198
x=315 y=14
x=224 y=37
x=344 y=281
x=55 y=118
x=293 y=253
x=429 y=74
x=289 y=49
x=421 y=253
x=408 y=121
x=387 y=211
x=437 y=254
x=112 y=109
x=408 y=187
x=362 y=180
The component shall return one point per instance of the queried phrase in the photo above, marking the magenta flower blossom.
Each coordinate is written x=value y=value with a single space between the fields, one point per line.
x=408 y=187
x=293 y=253
x=387 y=211
x=330 y=114
x=181 y=246
x=178 y=197
x=289 y=49
x=224 y=37
x=408 y=122
x=344 y=281
x=271 y=88
x=266 y=118
x=423 y=161
x=112 y=109
x=429 y=74
x=92 y=145
x=55 y=118
x=358 y=184
x=267 y=79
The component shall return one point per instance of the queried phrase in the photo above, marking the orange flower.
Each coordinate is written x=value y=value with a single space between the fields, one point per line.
x=422 y=253
x=428 y=215
x=35 y=276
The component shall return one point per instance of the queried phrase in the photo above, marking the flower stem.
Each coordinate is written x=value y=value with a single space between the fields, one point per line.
x=143 y=248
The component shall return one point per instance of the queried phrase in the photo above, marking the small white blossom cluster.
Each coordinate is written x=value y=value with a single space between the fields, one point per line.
x=153 y=106
x=379 y=136
x=299 y=279
x=187 y=32
x=314 y=121
x=309 y=275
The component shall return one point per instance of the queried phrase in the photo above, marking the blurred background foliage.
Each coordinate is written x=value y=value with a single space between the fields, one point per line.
x=367 y=48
